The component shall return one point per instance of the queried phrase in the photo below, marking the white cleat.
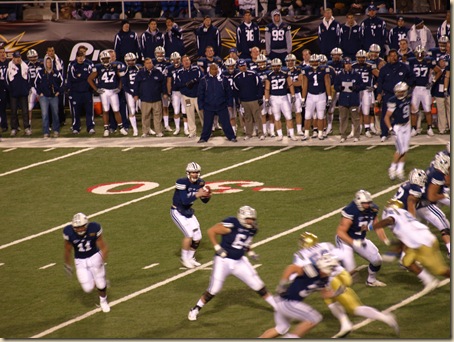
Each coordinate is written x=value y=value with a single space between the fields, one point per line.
x=400 y=175
x=280 y=137
x=106 y=133
x=391 y=321
x=392 y=173
x=186 y=131
x=355 y=140
x=304 y=137
x=375 y=283
x=432 y=285
x=187 y=263
x=177 y=131
x=430 y=132
x=135 y=134
x=151 y=132
x=351 y=135
x=413 y=132
x=195 y=262
x=342 y=140
x=168 y=129
x=123 y=131
x=300 y=133
x=383 y=139
x=104 y=306
x=345 y=330
x=293 y=138
x=192 y=315
x=368 y=135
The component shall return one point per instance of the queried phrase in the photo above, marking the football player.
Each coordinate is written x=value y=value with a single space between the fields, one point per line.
x=357 y=216
x=108 y=86
x=398 y=108
x=377 y=63
x=128 y=85
x=340 y=281
x=420 y=244
x=267 y=118
x=297 y=79
x=90 y=255
x=367 y=97
x=34 y=65
x=316 y=95
x=229 y=73
x=422 y=67
x=276 y=86
x=337 y=65
x=236 y=238
x=177 y=101
x=187 y=190
x=441 y=50
x=160 y=62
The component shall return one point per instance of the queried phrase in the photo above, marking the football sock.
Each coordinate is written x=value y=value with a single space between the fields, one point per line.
x=270 y=300
x=425 y=277
x=369 y=312
x=166 y=121
x=400 y=166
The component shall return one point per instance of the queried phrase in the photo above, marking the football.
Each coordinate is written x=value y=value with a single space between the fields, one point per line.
x=207 y=188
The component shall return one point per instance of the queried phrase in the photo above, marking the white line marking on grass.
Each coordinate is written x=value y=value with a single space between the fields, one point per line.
x=49 y=149
x=414 y=146
x=10 y=149
x=46 y=161
x=150 y=266
x=400 y=304
x=47 y=266
x=207 y=148
x=167 y=149
x=208 y=264
x=371 y=147
x=234 y=166
x=127 y=149
x=247 y=148
x=2 y=263
x=330 y=147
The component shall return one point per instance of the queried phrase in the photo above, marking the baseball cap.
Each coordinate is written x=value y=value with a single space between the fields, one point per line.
x=371 y=8
x=241 y=62
x=233 y=50
x=418 y=21
x=347 y=60
x=16 y=54
x=400 y=18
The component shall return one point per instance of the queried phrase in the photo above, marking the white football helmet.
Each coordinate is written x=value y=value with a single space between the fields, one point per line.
x=104 y=57
x=230 y=64
x=160 y=53
x=327 y=263
x=246 y=212
x=323 y=59
x=418 y=177
x=307 y=240
x=442 y=162
x=442 y=43
x=374 y=51
x=336 y=54
x=276 y=64
x=130 y=59
x=193 y=167
x=361 y=56
x=401 y=90
x=420 y=52
x=175 y=58
x=79 y=220
x=314 y=60
x=261 y=61
x=362 y=196
x=32 y=55
x=290 y=60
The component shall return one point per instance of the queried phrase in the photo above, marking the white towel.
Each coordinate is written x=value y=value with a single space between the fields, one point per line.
x=12 y=70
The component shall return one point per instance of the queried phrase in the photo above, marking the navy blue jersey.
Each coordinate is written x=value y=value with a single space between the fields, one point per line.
x=229 y=76
x=338 y=66
x=129 y=77
x=171 y=72
x=278 y=35
x=108 y=76
x=316 y=79
x=237 y=242
x=350 y=40
x=303 y=286
x=436 y=53
x=375 y=63
x=407 y=189
x=365 y=70
x=263 y=74
x=395 y=35
x=33 y=69
x=294 y=75
x=3 y=67
x=205 y=63
x=400 y=109
x=84 y=246
x=436 y=177
x=328 y=37
x=76 y=80
x=184 y=195
x=421 y=69
x=278 y=83
x=373 y=31
x=439 y=86
x=247 y=37
x=161 y=66
x=391 y=74
x=359 y=218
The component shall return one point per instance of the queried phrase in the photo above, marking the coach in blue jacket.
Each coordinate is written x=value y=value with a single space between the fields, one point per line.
x=348 y=83
x=214 y=96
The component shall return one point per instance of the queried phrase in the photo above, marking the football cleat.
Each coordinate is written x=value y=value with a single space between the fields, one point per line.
x=123 y=131
x=375 y=283
x=430 y=132
x=368 y=135
x=382 y=139
x=413 y=132
x=151 y=132
x=104 y=306
x=432 y=285
x=192 y=315
x=177 y=131
x=391 y=321
x=344 y=331
x=106 y=133
x=392 y=173
x=187 y=263
x=195 y=262
x=168 y=129
x=401 y=175
x=342 y=140
x=351 y=135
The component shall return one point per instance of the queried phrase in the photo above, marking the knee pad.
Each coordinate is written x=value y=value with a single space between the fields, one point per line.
x=374 y=268
x=446 y=232
x=207 y=296
x=87 y=287
x=195 y=244
x=102 y=290
x=263 y=291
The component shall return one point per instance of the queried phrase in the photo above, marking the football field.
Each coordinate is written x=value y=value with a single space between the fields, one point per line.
x=127 y=184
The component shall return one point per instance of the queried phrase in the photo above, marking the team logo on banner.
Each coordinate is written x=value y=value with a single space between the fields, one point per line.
x=15 y=44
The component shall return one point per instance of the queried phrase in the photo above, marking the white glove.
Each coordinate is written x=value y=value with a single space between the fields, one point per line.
x=220 y=251
x=252 y=255
x=100 y=91
x=358 y=243
x=68 y=270
x=116 y=90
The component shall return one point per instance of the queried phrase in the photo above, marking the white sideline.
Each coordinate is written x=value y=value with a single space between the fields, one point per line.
x=45 y=161
x=135 y=200
x=188 y=272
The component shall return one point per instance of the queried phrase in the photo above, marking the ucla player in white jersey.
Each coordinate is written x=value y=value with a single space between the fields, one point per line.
x=297 y=79
x=108 y=86
x=397 y=120
x=236 y=238
x=276 y=86
x=420 y=244
x=422 y=66
x=128 y=85
x=90 y=255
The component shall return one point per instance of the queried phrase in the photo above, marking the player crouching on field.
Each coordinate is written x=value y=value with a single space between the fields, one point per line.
x=90 y=253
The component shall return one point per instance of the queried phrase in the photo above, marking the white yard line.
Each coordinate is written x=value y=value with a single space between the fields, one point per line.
x=47 y=266
x=208 y=264
x=10 y=149
x=371 y=147
x=150 y=266
x=167 y=149
x=45 y=161
x=247 y=148
x=30 y=237
x=207 y=148
x=330 y=147
x=49 y=149
x=414 y=146
x=127 y=149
